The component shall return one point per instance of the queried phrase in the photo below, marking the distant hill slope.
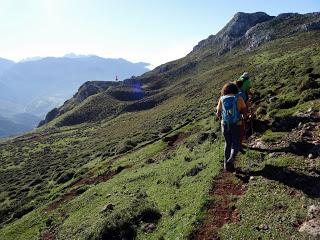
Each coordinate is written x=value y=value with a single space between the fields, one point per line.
x=10 y=128
x=17 y=124
x=5 y=64
x=37 y=86
x=141 y=159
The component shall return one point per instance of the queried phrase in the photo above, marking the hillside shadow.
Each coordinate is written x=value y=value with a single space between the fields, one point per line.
x=310 y=185
x=300 y=148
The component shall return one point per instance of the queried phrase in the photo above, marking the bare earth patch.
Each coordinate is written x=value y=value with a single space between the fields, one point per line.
x=222 y=210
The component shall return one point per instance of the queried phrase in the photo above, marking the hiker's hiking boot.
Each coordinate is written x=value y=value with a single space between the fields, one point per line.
x=230 y=167
x=242 y=150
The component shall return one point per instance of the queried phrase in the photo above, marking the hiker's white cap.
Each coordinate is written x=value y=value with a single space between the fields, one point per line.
x=245 y=75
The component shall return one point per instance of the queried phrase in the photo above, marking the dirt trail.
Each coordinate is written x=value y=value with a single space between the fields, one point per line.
x=49 y=234
x=222 y=209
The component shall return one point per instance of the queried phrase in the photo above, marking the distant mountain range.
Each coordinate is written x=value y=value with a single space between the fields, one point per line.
x=36 y=85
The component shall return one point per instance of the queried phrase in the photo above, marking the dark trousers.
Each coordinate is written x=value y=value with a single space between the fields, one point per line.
x=242 y=131
x=231 y=135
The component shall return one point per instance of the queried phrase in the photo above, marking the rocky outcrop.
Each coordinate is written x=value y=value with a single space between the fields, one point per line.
x=252 y=29
x=86 y=90
x=90 y=88
x=312 y=225
x=283 y=25
x=232 y=33
x=49 y=117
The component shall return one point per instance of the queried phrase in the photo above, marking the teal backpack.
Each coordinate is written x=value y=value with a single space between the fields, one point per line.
x=230 y=113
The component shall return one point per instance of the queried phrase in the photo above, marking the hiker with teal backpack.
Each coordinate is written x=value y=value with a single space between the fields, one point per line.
x=230 y=108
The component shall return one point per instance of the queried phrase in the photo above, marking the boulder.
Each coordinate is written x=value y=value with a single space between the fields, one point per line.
x=108 y=207
x=149 y=227
x=311 y=227
x=314 y=212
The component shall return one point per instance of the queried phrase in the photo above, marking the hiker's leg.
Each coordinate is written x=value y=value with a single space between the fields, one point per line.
x=242 y=134
x=242 y=131
x=235 y=142
x=227 y=144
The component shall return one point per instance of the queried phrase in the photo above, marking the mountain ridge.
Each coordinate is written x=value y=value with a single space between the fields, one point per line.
x=247 y=29
x=244 y=29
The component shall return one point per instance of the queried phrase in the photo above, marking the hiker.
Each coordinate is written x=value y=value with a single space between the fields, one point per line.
x=246 y=85
x=241 y=93
x=229 y=110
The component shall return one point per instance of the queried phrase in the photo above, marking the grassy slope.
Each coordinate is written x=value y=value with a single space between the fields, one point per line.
x=88 y=148
x=164 y=183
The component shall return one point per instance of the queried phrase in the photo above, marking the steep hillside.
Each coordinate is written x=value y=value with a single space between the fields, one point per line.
x=142 y=158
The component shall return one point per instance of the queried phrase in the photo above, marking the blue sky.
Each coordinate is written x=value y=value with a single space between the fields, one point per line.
x=153 y=31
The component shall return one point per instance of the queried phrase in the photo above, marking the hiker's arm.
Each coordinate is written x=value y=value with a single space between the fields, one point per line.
x=244 y=112
x=250 y=95
x=242 y=107
x=218 y=113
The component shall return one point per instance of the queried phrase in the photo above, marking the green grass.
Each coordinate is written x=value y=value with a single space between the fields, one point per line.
x=289 y=160
x=270 y=136
x=268 y=202
x=165 y=184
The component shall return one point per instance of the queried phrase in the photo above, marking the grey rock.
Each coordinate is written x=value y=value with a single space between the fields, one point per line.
x=311 y=227
x=264 y=227
x=313 y=212
x=271 y=155
x=149 y=227
x=310 y=156
x=108 y=207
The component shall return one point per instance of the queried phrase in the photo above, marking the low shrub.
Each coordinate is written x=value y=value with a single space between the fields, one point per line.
x=123 y=224
x=310 y=94
x=65 y=177
x=308 y=83
x=125 y=146
x=283 y=103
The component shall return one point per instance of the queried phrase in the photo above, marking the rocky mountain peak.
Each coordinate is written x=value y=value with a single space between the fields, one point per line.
x=240 y=24
x=231 y=34
x=250 y=30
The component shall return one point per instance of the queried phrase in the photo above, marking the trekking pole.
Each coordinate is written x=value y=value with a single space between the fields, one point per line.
x=219 y=143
